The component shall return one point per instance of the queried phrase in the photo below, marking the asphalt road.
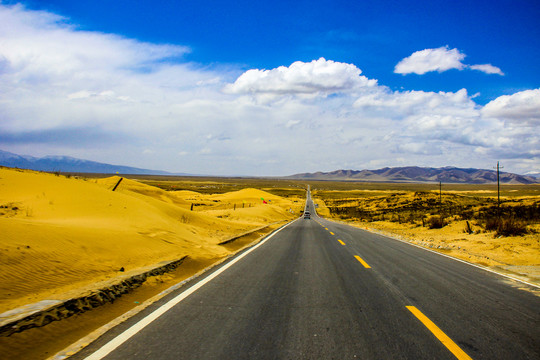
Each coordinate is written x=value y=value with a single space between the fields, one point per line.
x=323 y=290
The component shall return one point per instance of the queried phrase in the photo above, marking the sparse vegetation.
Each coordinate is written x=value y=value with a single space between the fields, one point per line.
x=415 y=204
x=507 y=226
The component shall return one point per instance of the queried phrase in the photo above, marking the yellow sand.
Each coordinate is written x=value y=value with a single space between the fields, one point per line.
x=59 y=235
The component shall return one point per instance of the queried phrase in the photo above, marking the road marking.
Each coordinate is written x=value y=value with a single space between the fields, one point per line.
x=325 y=228
x=362 y=262
x=134 y=329
x=341 y=242
x=396 y=238
x=439 y=334
x=331 y=233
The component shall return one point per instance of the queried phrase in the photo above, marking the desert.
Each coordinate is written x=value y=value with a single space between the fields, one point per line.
x=67 y=235
x=269 y=180
x=61 y=235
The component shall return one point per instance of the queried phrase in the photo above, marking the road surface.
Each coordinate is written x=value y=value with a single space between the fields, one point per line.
x=323 y=290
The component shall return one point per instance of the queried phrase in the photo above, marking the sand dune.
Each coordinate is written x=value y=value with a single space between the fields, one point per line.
x=60 y=235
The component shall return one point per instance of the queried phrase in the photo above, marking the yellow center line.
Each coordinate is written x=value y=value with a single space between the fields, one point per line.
x=362 y=262
x=331 y=233
x=341 y=242
x=439 y=334
x=325 y=228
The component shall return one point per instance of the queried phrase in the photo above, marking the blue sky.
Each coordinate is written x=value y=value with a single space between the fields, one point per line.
x=376 y=83
x=373 y=35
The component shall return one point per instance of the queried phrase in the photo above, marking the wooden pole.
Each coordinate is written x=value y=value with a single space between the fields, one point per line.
x=440 y=196
x=118 y=183
x=498 y=193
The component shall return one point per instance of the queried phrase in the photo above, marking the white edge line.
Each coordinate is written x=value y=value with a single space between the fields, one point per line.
x=469 y=263
x=134 y=329
x=439 y=253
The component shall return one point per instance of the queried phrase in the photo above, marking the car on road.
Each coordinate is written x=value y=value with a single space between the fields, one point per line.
x=307 y=215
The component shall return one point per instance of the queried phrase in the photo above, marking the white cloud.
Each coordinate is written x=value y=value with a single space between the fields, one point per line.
x=423 y=61
x=292 y=123
x=521 y=108
x=420 y=148
x=414 y=105
x=83 y=94
x=43 y=45
x=440 y=60
x=487 y=68
x=53 y=75
x=316 y=77
x=106 y=95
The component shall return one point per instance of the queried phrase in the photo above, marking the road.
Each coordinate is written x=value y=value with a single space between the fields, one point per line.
x=323 y=290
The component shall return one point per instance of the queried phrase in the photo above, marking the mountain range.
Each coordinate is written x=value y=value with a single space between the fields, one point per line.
x=420 y=174
x=69 y=164
x=394 y=174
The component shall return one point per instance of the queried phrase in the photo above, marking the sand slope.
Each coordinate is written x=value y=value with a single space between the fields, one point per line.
x=61 y=234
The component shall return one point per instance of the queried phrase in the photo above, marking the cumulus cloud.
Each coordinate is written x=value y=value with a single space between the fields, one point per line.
x=522 y=108
x=423 y=61
x=316 y=77
x=440 y=60
x=422 y=114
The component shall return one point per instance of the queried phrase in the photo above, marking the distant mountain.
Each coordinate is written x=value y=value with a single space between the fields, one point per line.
x=69 y=164
x=420 y=174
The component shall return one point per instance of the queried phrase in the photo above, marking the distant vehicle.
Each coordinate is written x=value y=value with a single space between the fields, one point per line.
x=307 y=215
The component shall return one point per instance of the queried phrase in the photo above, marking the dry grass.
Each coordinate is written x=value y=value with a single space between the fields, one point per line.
x=428 y=208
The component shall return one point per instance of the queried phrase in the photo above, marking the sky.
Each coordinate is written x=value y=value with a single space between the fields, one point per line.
x=271 y=88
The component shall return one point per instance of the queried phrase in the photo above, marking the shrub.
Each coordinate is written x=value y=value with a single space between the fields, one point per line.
x=436 y=222
x=492 y=224
x=506 y=226
x=511 y=227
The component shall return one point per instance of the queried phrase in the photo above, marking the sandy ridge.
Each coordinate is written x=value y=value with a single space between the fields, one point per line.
x=62 y=235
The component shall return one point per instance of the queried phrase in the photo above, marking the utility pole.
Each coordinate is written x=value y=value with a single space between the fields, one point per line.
x=440 y=196
x=498 y=193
